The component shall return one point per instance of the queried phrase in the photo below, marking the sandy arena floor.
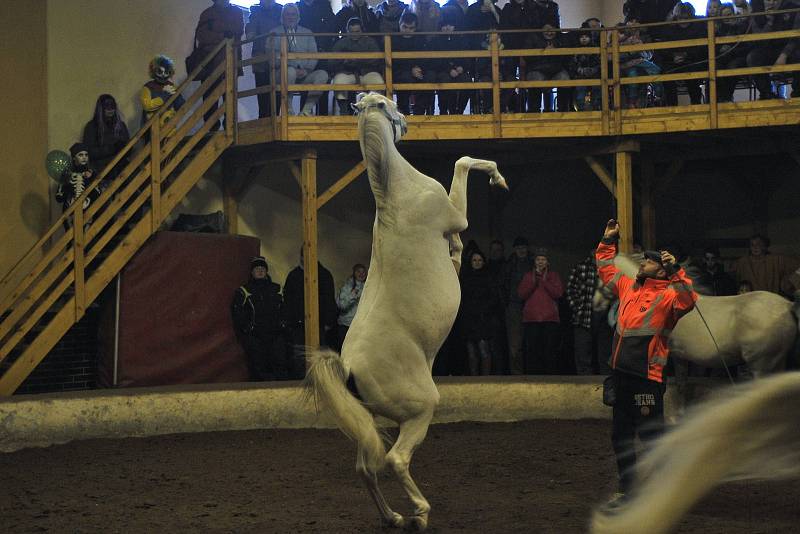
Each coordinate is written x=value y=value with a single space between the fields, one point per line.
x=535 y=476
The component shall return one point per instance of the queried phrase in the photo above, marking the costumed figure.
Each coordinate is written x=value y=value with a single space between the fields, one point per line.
x=76 y=179
x=158 y=90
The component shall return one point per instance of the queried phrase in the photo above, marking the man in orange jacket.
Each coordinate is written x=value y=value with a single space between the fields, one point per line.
x=649 y=308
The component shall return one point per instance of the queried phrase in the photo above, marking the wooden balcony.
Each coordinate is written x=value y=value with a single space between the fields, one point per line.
x=611 y=120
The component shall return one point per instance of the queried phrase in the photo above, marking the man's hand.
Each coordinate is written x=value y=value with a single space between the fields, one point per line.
x=781 y=60
x=300 y=73
x=453 y=73
x=416 y=72
x=612 y=229
x=170 y=89
x=667 y=259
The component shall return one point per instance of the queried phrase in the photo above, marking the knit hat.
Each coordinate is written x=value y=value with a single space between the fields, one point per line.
x=259 y=261
x=76 y=148
x=540 y=251
x=520 y=242
x=653 y=255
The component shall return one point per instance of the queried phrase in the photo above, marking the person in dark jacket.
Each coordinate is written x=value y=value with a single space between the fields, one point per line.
x=776 y=51
x=389 y=13
x=730 y=55
x=76 y=179
x=541 y=288
x=219 y=22
x=347 y=71
x=690 y=59
x=456 y=11
x=586 y=66
x=317 y=16
x=516 y=15
x=293 y=313
x=541 y=68
x=479 y=302
x=451 y=69
x=518 y=264
x=483 y=15
x=545 y=12
x=255 y=311
x=412 y=70
x=649 y=12
x=105 y=135
x=263 y=17
x=360 y=10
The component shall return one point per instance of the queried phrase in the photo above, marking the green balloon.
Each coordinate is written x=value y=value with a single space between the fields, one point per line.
x=56 y=163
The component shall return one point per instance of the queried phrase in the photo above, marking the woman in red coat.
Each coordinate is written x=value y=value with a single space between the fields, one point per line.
x=540 y=289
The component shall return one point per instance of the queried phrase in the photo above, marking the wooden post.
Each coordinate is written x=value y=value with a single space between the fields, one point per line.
x=78 y=245
x=284 y=89
x=155 y=175
x=230 y=90
x=712 y=75
x=495 y=49
x=387 y=63
x=308 y=184
x=617 y=84
x=604 y=81
x=625 y=200
x=273 y=82
x=647 y=202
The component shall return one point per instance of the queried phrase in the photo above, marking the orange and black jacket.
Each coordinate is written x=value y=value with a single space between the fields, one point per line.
x=647 y=314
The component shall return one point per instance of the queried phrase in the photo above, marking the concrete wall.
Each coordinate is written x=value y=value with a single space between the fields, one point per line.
x=24 y=202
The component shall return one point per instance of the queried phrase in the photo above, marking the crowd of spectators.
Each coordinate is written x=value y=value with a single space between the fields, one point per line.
x=308 y=17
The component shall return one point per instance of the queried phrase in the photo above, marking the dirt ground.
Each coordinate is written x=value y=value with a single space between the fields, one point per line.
x=536 y=476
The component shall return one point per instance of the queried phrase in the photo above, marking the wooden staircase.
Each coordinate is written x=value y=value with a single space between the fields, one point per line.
x=49 y=289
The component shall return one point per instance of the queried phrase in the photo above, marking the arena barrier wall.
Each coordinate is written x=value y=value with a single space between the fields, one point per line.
x=42 y=420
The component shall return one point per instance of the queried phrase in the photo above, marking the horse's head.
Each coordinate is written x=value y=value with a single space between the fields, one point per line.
x=377 y=103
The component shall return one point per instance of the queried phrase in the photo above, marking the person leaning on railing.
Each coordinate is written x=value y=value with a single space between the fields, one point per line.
x=730 y=55
x=586 y=66
x=541 y=68
x=263 y=17
x=516 y=15
x=634 y=64
x=680 y=60
x=412 y=70
x=483 y=15
x=451 y=69
x=348 y=71
x=776 y=51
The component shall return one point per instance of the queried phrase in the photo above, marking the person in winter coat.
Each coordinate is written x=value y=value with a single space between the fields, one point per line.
x=519 y=263
x=453 y=69
x=360 y=10
x=76 y=180
x=347 y=71
x=541 y=288
x=255 y=311
x=479 y=303
x=548 y=68
x=263 y=17
x=586 y=66
x=649 y=308
x=389 y=13
x=293 y=313
x=105 y=135
x=348 y=299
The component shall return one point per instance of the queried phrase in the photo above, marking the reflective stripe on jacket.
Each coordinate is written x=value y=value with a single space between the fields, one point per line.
x=647 y=314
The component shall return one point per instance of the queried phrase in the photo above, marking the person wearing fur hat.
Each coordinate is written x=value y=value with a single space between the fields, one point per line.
x=256 y=311
x=158 y=90
x=77 y=179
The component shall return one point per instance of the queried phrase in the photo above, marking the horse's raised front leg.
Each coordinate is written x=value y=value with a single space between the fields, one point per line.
x=412 y=432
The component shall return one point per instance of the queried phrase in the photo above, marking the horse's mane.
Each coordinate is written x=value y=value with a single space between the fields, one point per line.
x=373 y=140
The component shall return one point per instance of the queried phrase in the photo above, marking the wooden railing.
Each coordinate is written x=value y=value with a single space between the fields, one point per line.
x=65 y=271
x=611 y=119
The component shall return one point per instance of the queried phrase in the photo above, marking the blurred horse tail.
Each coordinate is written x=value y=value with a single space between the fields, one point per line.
x=743 y=432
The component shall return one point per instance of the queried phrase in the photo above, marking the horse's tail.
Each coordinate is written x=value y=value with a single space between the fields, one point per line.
x=746 y=432
x=795 y=364
x=326 y=382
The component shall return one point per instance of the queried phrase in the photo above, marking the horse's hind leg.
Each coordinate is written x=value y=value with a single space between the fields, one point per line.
x=370 y=478
x=412 y=432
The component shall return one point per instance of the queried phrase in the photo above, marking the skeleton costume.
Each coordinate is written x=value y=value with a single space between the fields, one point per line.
x=77 y=179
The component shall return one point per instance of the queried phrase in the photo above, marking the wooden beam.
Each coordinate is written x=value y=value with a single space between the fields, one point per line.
x=601 y=172
x=295 y=172
x=647 y=203
x=712 y=75
x=341 y=183
x=616 y=82
x=308 y=184
x=625 y=200
x=496 y=111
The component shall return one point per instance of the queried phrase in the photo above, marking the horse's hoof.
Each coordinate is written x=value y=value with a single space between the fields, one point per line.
x=417 y=523
x=396 y=521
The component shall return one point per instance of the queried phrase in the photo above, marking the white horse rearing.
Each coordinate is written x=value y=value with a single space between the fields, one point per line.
x=407 y=308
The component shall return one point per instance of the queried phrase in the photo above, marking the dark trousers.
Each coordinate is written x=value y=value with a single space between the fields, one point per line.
x=264 y=102
x=266 y=357
x=638 y=410
x=541 y=342
x=764 y=56
x=593 y=348
x=726 y=86
x=423 y=100
x=452 y=102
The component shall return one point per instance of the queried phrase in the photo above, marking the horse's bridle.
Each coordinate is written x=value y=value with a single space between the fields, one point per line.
x=398 y=123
